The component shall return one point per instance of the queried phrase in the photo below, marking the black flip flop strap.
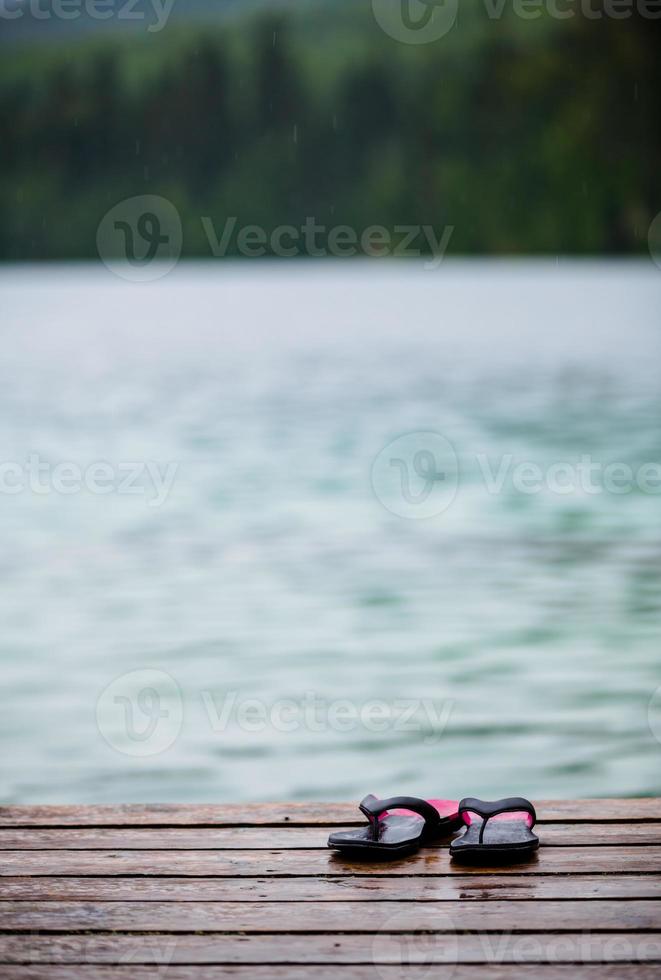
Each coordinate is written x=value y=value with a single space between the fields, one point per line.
x=487 y=809
x=373 y=808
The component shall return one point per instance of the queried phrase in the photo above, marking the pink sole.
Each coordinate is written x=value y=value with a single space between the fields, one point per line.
x=446 y=808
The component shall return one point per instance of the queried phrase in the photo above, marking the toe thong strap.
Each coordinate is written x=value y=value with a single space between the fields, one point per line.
x=373 y=808
x=487 y=809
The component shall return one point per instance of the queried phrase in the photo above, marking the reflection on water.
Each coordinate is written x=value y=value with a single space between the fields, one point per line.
x=527 y=623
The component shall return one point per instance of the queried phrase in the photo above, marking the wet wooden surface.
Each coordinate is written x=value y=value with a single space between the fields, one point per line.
x=252 y=892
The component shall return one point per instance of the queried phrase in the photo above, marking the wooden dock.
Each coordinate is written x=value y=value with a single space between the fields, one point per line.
x=210 y=892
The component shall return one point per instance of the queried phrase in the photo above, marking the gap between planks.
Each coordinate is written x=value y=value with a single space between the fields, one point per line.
x=324 y=972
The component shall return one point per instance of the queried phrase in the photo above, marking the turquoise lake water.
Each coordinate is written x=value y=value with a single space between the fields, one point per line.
x=308 y=605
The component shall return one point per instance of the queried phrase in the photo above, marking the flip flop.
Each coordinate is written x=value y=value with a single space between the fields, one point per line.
x=504 y=832
x=397 y=826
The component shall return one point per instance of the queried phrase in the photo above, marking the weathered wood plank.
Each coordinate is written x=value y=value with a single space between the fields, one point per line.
x=227 y=892
x=272 y=838
x=344 y=917
x=429 y=861
x=594 y=971
x=349 y=889
x=495 y=949
x=264 y=814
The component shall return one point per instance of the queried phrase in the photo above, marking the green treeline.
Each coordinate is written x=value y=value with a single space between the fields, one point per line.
x=527 y=137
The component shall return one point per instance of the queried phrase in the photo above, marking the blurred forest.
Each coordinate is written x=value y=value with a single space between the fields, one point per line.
x=528 y=136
